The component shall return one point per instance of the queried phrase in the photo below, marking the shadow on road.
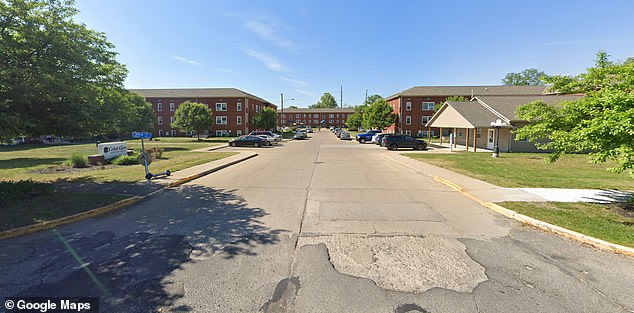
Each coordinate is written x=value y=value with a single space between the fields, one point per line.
x=130 y=271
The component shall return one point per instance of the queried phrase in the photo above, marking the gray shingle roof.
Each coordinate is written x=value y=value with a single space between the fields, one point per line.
x=196 y=93
x=469 y=90
x=507 y=106
x=473 y=112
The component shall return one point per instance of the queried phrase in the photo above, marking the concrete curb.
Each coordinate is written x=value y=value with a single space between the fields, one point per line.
x=209 y=171
x=25 y=230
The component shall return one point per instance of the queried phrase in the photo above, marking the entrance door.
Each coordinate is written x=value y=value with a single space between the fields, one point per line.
x=491 y=139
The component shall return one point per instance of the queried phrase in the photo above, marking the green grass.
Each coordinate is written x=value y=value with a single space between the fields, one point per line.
x=596 y=220
x=530 y=170
x=18 y=162
x=17 y=213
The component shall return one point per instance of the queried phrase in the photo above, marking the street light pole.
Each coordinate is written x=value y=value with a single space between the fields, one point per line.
x=497 y=125
x=282 y=104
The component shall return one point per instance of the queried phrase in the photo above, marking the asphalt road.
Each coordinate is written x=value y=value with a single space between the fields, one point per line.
x=319 y=225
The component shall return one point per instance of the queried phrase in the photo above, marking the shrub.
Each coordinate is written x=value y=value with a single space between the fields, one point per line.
x=78 y=160
x=23 y=189
x=125 y=160
x=155 y=152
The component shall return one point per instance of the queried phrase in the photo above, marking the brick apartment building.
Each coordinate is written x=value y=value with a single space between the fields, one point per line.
x=313 y=117
x=232 y=109
x=414 y=107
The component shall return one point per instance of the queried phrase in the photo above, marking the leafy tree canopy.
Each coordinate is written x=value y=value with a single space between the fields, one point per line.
x=371 y=99
x=326 y=101
x=266 y=119
x=354 y=121
x=192 y=116
x=602 y=122
x=378 y=115
x=528 y=77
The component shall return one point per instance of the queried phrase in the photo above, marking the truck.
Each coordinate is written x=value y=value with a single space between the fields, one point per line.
x=367 y=136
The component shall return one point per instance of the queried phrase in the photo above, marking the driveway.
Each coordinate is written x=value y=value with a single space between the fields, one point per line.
x=319 y=225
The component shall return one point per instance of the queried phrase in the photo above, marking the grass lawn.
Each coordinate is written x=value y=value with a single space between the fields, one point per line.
x=530 y=170
x=596 y=220
x=17 y=213
x=20 y=162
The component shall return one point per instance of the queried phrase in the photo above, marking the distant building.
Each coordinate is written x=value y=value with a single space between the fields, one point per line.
x=324 y=117
x=232 y=109
x=414 y=107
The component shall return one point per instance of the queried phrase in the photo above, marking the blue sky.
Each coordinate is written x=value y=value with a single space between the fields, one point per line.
x=306 y=48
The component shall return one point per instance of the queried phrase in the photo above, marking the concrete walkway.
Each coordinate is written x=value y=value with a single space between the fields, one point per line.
x=492 y=193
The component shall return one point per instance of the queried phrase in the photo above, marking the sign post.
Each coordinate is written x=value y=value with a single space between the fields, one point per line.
x=146 y=157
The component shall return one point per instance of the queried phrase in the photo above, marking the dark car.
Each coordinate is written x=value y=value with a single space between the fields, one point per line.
x=394 y=142
x=247 y=141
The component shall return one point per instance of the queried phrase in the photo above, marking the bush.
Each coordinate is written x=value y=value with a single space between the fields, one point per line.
x=125 y=160
x=155 y=152
x=23 y=189
x=78 y=160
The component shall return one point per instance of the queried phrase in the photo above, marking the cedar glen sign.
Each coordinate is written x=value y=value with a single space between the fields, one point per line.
x=111 y=150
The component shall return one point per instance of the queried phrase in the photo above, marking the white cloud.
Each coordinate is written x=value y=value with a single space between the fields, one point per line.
x=270 y=62
x=186 y=60
x=296 y=83
x=269 y=31
x=304 y=92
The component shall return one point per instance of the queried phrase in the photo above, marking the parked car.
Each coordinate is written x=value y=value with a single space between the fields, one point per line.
x=379 y=139
x=345 y=136
x=270 y=140
x=247 y=140
x=394 y=142
x=367 y=136
x=338 y=132
x=300 y=135
x=331 y=128
x=264 y=132
x=309 y=129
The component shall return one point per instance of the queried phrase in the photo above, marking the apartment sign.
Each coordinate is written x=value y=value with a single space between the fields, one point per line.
x=111 y=150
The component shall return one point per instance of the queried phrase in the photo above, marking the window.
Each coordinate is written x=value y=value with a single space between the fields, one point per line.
x=173 y=133
x=239 y=132
x=332 y=121
x=171 y=119
x=478 y=132
x=408 y=120
x=315 y=122
x=221 y=120
x=331 y=116
x=257 y=108
x=283 y=121
x=239 y=120
x=460 y=132
x=172 y=107
x=426 y=119
x=316 y=115
x=408 y=132
x=221 y=106
x=428 y=106
x=221 y=133
x=424 y=133
x=159 y=106
x=239 y=106
x=283 y=115
x=298 y=115
x=160 y=120
x=337 y=115
x=408 y=105
x=160 y=133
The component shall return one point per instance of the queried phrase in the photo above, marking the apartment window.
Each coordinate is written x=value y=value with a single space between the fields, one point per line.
x=257 y=108
x=172 y=119
x=408 y=120
x=239 y=106
x=408 y=132
x=426 y=119
x=172 y=107
x=160 y=134
x=160 y=120
x=221 y=133
x=173 y=133
x=221 y=120
x=221 y=106
x=424 y=133
x=298 y=115
x=331 y=116
x=316 y=122
x=159 y=106
x=460 y=132
x=316 y=115
x=283 y=115
x=239 y=120
x=332 y=121
x=428 y=106
x=283 y=121
x=478 y=132
x=239 y=132
x=408 y=105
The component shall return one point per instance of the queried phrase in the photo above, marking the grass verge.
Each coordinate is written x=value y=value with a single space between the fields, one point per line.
x=530 y=170
x=596 y=220
x=17 y=213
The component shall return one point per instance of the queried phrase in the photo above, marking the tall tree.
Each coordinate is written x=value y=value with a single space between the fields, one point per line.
x=53 y=70
x=378 y=115
x=527 y=77
x=602 y=122
x=354 y=121
x=266 y=119
x=371 y=99
x=326 y=101
x=192 y=116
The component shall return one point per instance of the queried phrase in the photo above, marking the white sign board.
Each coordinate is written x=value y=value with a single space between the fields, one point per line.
x=111 y=150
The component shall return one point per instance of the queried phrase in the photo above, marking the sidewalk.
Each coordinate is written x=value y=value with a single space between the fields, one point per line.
x=491 y=193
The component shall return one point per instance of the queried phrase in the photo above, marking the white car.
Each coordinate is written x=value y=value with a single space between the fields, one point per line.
x=270 y=139
x=375 y=138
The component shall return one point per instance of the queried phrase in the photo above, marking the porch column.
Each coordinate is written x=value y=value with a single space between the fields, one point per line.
x=475 y=130
x=466 y=142
x=441 y=136
x=455 y=137
x=429 y=135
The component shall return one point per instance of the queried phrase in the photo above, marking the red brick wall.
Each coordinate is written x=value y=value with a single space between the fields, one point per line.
x=416 y=113
x=308 y=118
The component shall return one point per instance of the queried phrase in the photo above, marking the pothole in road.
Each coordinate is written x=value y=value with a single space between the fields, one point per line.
x=403 y=263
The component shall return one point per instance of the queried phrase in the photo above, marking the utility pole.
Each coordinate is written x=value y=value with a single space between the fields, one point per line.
x=282 y=115
x=341 y=97
x=366 y=97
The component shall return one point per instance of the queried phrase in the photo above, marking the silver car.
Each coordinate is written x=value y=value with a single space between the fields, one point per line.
x=345 y=136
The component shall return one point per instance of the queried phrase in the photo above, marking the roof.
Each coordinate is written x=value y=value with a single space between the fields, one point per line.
x=435 y=91
x=319 y=110
x=481 y=111
x=196 y=93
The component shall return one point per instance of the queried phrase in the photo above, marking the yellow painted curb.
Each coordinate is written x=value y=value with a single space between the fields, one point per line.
x=25 y=230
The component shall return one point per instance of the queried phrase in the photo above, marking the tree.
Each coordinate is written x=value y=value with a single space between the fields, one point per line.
x=267 y=119
x=192 y=116
x=602 y=122
x=378 y=115
x=292 y=107
x=354 y=121
x=371 y=99
x=326 y=101
x=54 y=72
x=121 y=112
x=528 y=77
